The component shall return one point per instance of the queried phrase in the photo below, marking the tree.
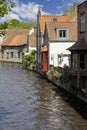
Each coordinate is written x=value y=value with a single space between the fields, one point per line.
x=5 y=7
x=29 y=60
x=2 y=28
x=13 y=23
x=70 y=10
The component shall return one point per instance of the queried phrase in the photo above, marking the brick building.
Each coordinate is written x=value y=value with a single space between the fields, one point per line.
x=79 y=55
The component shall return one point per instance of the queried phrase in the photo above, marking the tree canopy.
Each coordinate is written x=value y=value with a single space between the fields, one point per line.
x=14 y=23
x=5 y=7
x=70 y=10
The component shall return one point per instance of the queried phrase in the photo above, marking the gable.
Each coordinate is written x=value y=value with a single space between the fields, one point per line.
x=52 y=29
x=56 y=18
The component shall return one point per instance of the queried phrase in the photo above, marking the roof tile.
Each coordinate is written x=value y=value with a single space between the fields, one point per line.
x=79 y=45
x=52 y=27
x=16 y=37
x=61 y=18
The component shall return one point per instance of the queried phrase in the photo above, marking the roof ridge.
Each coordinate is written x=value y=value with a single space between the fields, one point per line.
x=71 y=16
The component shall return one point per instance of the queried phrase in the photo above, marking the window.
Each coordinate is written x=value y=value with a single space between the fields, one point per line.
x=18 y=54
x=62 y=34
x=11 y=54
x=54 y=19
x=82 y=61
x=74 y=60
x=82 y=22
x=7 y=55
x=52 y=57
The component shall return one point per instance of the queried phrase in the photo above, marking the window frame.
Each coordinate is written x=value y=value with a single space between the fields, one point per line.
x=74 y=60
x=12 y=54
x=19 y=54
x=82 y=22
x=82 y=61
x=55 y=20
x=62 y=34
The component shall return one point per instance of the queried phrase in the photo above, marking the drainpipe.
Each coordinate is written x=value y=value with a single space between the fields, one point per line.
x=28 y=43
x=78 y=75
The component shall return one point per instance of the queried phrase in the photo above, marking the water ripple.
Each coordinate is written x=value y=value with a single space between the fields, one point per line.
x=28 y=102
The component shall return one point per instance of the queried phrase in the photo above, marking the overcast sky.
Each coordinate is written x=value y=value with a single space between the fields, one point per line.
x=26 y=10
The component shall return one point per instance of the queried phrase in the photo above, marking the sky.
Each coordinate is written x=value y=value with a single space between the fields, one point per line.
x=26 y=10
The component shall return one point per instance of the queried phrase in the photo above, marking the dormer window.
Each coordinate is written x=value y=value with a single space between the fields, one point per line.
x=54 y=19
x=62 y=34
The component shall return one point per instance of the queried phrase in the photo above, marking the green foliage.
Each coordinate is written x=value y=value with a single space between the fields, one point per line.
x=66 y=74
x=28 y=60
x=27 y=25
x=14 y=23
x=3 y=28
x=67 y=11
x=70 y=10
x=5 y=7
x=29 y=57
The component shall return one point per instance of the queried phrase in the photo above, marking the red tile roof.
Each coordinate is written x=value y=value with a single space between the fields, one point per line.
x=62 y=18
x=52 y=30
x=16 y=31
x=16 y=37
x=72 y=17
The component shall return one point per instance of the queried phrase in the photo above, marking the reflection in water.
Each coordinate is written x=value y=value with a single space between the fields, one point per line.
x=28 y=102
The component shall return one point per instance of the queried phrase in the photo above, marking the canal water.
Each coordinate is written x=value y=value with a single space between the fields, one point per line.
x=30 y=102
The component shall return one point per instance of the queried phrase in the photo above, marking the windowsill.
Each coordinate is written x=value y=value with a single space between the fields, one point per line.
x=62 y=39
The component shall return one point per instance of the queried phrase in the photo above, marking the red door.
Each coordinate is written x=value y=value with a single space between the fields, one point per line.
x=44 y=61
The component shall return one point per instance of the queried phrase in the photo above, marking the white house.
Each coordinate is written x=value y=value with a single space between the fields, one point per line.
x=59 y=36
x=55 y=33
